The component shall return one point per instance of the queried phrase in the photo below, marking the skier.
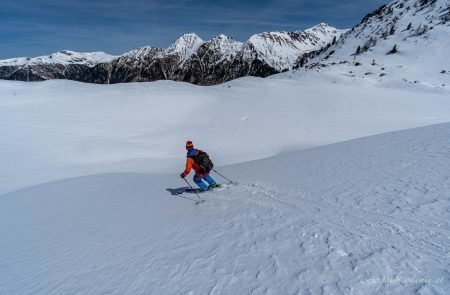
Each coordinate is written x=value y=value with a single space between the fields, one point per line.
x=202 y=165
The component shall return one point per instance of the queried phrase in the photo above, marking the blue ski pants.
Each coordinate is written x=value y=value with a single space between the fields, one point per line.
x=198 y=179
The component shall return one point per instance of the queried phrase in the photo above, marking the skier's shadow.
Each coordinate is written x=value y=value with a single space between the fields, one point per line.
x=178 y=192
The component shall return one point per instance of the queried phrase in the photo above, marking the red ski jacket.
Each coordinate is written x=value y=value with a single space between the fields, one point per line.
x=190 y=164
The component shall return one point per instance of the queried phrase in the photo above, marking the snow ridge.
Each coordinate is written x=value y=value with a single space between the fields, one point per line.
x=281 y=49
x=64 y=57
x=223 y=48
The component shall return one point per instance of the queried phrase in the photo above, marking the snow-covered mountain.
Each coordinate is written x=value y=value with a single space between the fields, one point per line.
x=189 y=59
x=280 y=50
x=184 y=47
x=406 y=39
x=64 y=57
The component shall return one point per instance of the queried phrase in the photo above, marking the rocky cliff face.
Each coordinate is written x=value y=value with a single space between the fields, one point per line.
x=189 y=59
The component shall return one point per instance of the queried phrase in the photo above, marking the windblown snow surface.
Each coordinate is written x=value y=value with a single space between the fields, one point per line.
x=329 y=200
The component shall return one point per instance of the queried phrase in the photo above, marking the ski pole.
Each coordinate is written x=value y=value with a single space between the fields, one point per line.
x=192 y=188
x=231 y=181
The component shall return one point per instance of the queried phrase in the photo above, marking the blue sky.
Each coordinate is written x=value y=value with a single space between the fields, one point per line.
x=40 y=27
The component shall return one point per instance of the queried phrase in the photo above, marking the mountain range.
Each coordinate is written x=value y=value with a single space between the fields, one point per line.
x=189 y=59
x=405 y=36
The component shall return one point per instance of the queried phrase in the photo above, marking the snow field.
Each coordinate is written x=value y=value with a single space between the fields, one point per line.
x=60 y=129
x=321 y=220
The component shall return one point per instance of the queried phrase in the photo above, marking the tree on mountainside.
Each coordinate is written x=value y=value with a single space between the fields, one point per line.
x=393 y=50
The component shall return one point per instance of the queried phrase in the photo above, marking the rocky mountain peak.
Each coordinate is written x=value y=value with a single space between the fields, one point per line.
x=185 y=45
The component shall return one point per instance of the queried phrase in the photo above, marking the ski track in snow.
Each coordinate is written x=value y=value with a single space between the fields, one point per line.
x=276 y=232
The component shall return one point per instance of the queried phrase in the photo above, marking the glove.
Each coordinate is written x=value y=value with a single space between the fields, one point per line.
x=182 y=175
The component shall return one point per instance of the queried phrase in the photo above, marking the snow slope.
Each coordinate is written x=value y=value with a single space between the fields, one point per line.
x=59 y=129
x=328 y=220
x=420 y=30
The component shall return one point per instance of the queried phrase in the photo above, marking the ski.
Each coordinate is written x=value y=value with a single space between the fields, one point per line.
x=218 y=187
x=197 y=191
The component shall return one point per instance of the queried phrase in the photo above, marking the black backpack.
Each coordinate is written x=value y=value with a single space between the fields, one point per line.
x=202 y=159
